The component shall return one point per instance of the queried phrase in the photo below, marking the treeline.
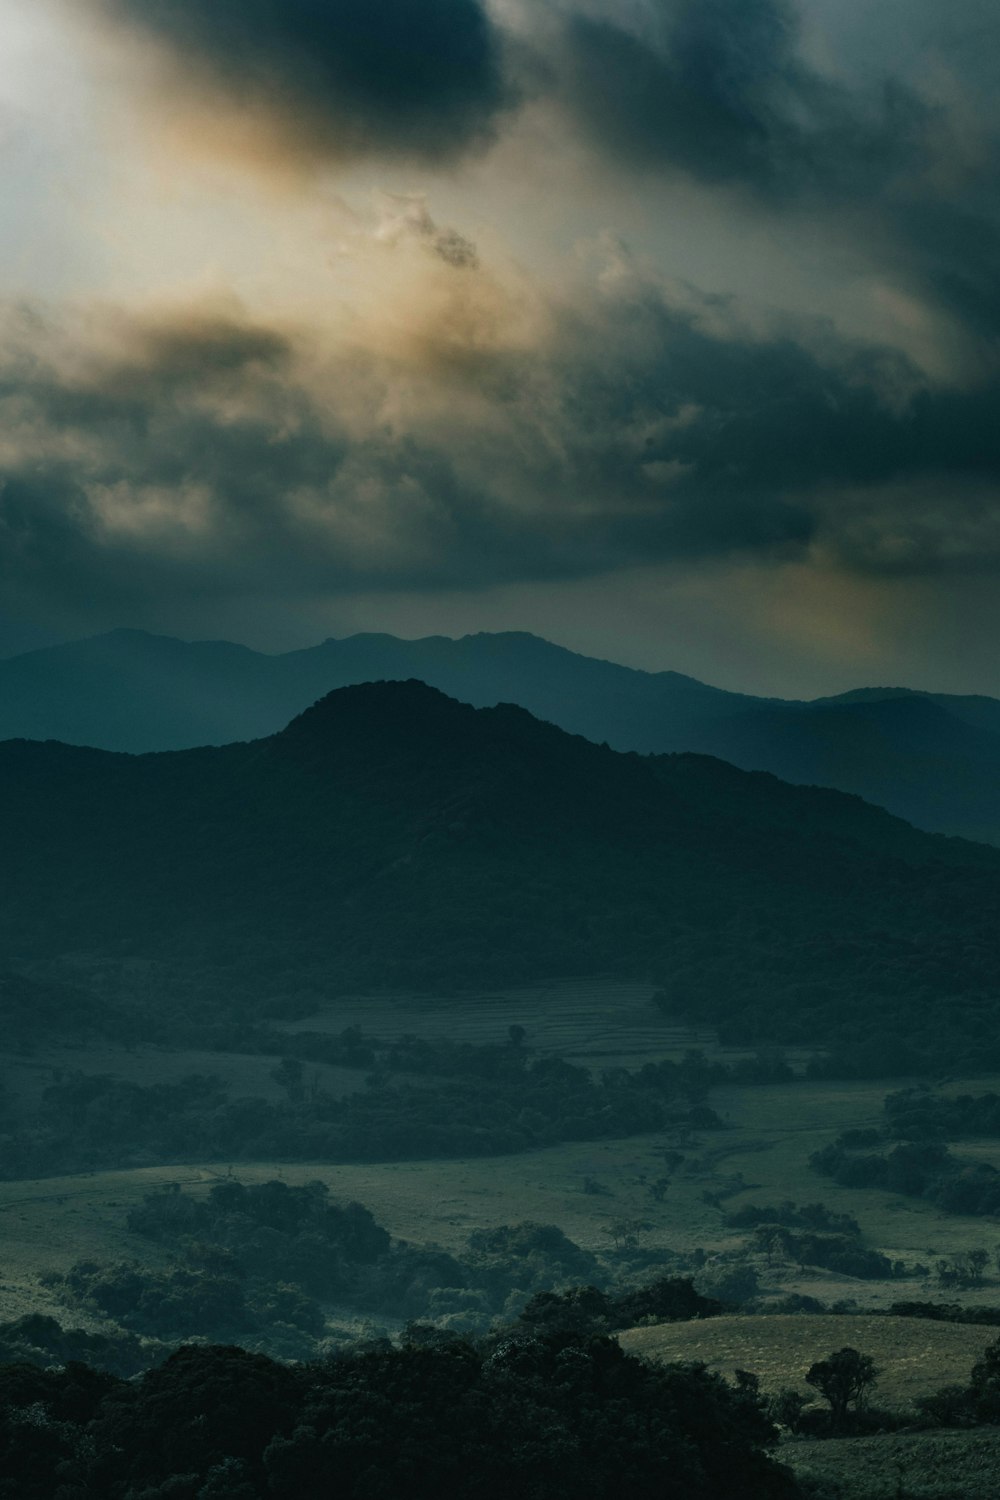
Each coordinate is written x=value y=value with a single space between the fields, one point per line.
x=920 y=1165
x=255 y=1263
x=870 y=1004
x=973 y=1405
x=499 y=1101
x=914 y=1115
x=813 y=1235
x=924 y=1169
x=533 y=1413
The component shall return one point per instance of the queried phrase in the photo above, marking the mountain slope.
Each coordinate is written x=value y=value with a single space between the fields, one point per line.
x=393 y=835
x=908 y=752
x=931 y=758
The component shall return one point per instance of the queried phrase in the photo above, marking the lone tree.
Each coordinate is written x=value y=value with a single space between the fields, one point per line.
x=842 y=1378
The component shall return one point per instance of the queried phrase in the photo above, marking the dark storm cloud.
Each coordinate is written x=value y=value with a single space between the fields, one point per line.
x=202 y=457
x=420 y=79
x=717 y=89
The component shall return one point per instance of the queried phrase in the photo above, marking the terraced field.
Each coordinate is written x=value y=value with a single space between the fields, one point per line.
x=598 y=1022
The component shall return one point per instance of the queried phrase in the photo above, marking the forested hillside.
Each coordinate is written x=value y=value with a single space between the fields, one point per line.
x=391 y=836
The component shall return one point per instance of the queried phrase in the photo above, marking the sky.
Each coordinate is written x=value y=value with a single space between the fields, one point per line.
x=666 y=329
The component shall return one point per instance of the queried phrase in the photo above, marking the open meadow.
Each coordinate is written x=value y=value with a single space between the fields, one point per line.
x=914 y=1356
x=760 y=1155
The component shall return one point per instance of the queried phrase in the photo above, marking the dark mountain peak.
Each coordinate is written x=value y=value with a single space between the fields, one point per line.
x=377 y=723
x=395 y=703
x=410 y=716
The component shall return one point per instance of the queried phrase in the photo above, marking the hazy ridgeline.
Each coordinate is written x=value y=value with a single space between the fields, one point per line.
x=292 y=1063
x=933 y=758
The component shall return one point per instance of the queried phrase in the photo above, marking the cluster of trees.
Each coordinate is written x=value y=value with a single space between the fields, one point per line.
x=846 y=1380
x=38 y=1339
x=915 y=1115
x=832 y=1252
x=946 y=1312
x=491 y=1101
x=919 y=1169
x=256 y=1262
x=972 y=1405
x=813 y=1216
x=812 y=1235
x=534 y=1412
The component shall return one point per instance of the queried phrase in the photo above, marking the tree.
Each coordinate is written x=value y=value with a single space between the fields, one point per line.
x=976 y=1262
x=289 y=1076
x=843 y=1378
x=625 y=1232
x=985 y=1384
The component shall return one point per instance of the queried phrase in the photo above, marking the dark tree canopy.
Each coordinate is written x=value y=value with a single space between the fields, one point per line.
x=843 y=1378
x=544 y=1416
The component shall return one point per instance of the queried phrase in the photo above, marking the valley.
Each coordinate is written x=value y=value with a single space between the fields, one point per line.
x=252 y=1093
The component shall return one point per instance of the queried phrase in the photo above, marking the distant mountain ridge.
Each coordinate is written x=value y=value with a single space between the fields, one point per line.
x=932 y=758
x=393 y=836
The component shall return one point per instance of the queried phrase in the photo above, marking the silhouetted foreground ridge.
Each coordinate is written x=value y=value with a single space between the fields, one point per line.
x=541 y=1418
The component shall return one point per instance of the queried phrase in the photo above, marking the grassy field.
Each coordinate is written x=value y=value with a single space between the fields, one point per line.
x=902 y=1466
x=776 y=1129
x=50 y=1223
x=915 y=1356
x=759 y=1156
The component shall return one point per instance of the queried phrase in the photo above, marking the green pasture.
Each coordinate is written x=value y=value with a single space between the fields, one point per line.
x=760 y=1155
x=902 y=1465
x=914 y=1355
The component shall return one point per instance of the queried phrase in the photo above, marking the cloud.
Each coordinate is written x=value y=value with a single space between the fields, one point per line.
x=332 y=80
x=197 y=453
x=719 y=90
x=722 y=92
x=408 y=214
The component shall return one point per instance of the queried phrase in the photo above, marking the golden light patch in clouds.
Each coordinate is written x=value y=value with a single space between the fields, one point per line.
x=413 y=302
x=832 y=616
x=292 y=89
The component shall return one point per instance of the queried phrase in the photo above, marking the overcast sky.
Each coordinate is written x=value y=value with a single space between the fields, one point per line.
x=668 y=329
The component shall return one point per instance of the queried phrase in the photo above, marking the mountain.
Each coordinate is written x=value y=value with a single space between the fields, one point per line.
x=931 y=758
x=928 y=758
x=129 y=690
x=391 y=835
